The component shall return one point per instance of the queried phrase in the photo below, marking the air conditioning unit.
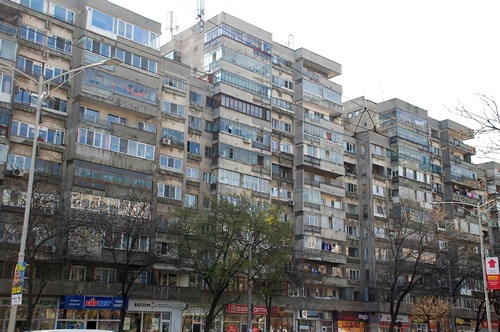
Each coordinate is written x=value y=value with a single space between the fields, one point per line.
x=291 y=203
x=17 y=172
x=247 y=141
x=166 y=141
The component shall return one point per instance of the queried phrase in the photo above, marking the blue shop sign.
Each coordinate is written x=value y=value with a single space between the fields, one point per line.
x=90 y=302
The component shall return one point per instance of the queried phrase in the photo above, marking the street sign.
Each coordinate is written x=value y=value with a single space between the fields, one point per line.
x=492 y=273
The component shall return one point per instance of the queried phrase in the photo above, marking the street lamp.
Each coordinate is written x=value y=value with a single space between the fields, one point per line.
x=478 y=208
x=43 y=93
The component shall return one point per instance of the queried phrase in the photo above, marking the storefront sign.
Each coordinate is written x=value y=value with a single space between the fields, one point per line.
x=309 y=314
x=257 y=309
x=150 y=305
x=492 y=273
x=90 y=302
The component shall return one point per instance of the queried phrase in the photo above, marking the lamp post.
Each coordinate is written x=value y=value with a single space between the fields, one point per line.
x=478 y=208
x=43 y=93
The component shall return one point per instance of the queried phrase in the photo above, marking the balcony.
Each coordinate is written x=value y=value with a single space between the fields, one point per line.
x=8 y=29
x=324 y=256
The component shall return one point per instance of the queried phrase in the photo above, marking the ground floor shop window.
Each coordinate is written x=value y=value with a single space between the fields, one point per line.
x=418 y=327
x=193 y=323
x=89 y=319
x=306 y=325
x=282 y=323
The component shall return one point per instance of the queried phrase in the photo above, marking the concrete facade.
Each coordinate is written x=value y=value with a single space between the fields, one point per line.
x=219 y=109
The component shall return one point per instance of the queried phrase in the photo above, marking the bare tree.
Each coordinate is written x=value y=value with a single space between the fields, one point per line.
x=273 y=270
x=412 y=248
x=431 y=308
x=47 y=230
x=125 y=229
x=486 y=121
x=218 y=243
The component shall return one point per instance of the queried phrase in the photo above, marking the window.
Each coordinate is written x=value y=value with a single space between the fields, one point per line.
x=193 y=173
x=255 y=183
x=312 y=220
x=350 y=147
x=115 y=144
x=76 y=273
x=89 y=115
x=206 y=177
x=27 y=130
x=32 y=34
x=193 y=147
x=29 y=66
x=352 y=252
x=59 y=44
x=443 y=245
x=111 y=25
x=169 y=191
x=194 y=122
x=174 y=109
x=7 y=50
x=33 y=4
x=105 y=274
x=141 y=278
x=378 y=190
x=55 y=73
x=56 y=104
x=351 y=187
x=352 y=274
x=62 y=13
x=190 y=201
x=149 y=127
x=312 y=196
x=379 y=232
x=168 y=279
x=115 y=84
x=377 y=150
x=175 y=82
x=174 y=135
x=352 y=230
x=117 y=119
x=171 y=163
x=195 y=98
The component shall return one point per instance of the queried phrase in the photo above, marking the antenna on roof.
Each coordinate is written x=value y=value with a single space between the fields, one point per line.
x=290 y=41
x=170 y=23
x=200 y=9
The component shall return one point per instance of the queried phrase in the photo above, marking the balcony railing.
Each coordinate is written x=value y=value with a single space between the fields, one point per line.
x=325 y=256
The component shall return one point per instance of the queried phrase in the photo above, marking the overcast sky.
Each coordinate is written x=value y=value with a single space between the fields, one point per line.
x=434 y=54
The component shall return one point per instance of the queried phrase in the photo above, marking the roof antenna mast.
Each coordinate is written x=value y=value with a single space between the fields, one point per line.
x=170 y=23
x=200 y=8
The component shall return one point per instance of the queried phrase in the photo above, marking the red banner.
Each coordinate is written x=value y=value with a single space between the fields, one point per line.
x=257 y=309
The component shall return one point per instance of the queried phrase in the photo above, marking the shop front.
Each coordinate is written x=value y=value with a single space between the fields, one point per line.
x=236 y=319
x=494 y=325
x=153 y=316
x=44 y=317
x=309 y=321
x=464 y=325
x=351 y=321
x=402 y=323
x=89 y=312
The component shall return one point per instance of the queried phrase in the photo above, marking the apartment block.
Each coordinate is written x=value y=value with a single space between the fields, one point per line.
x=222 y=108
